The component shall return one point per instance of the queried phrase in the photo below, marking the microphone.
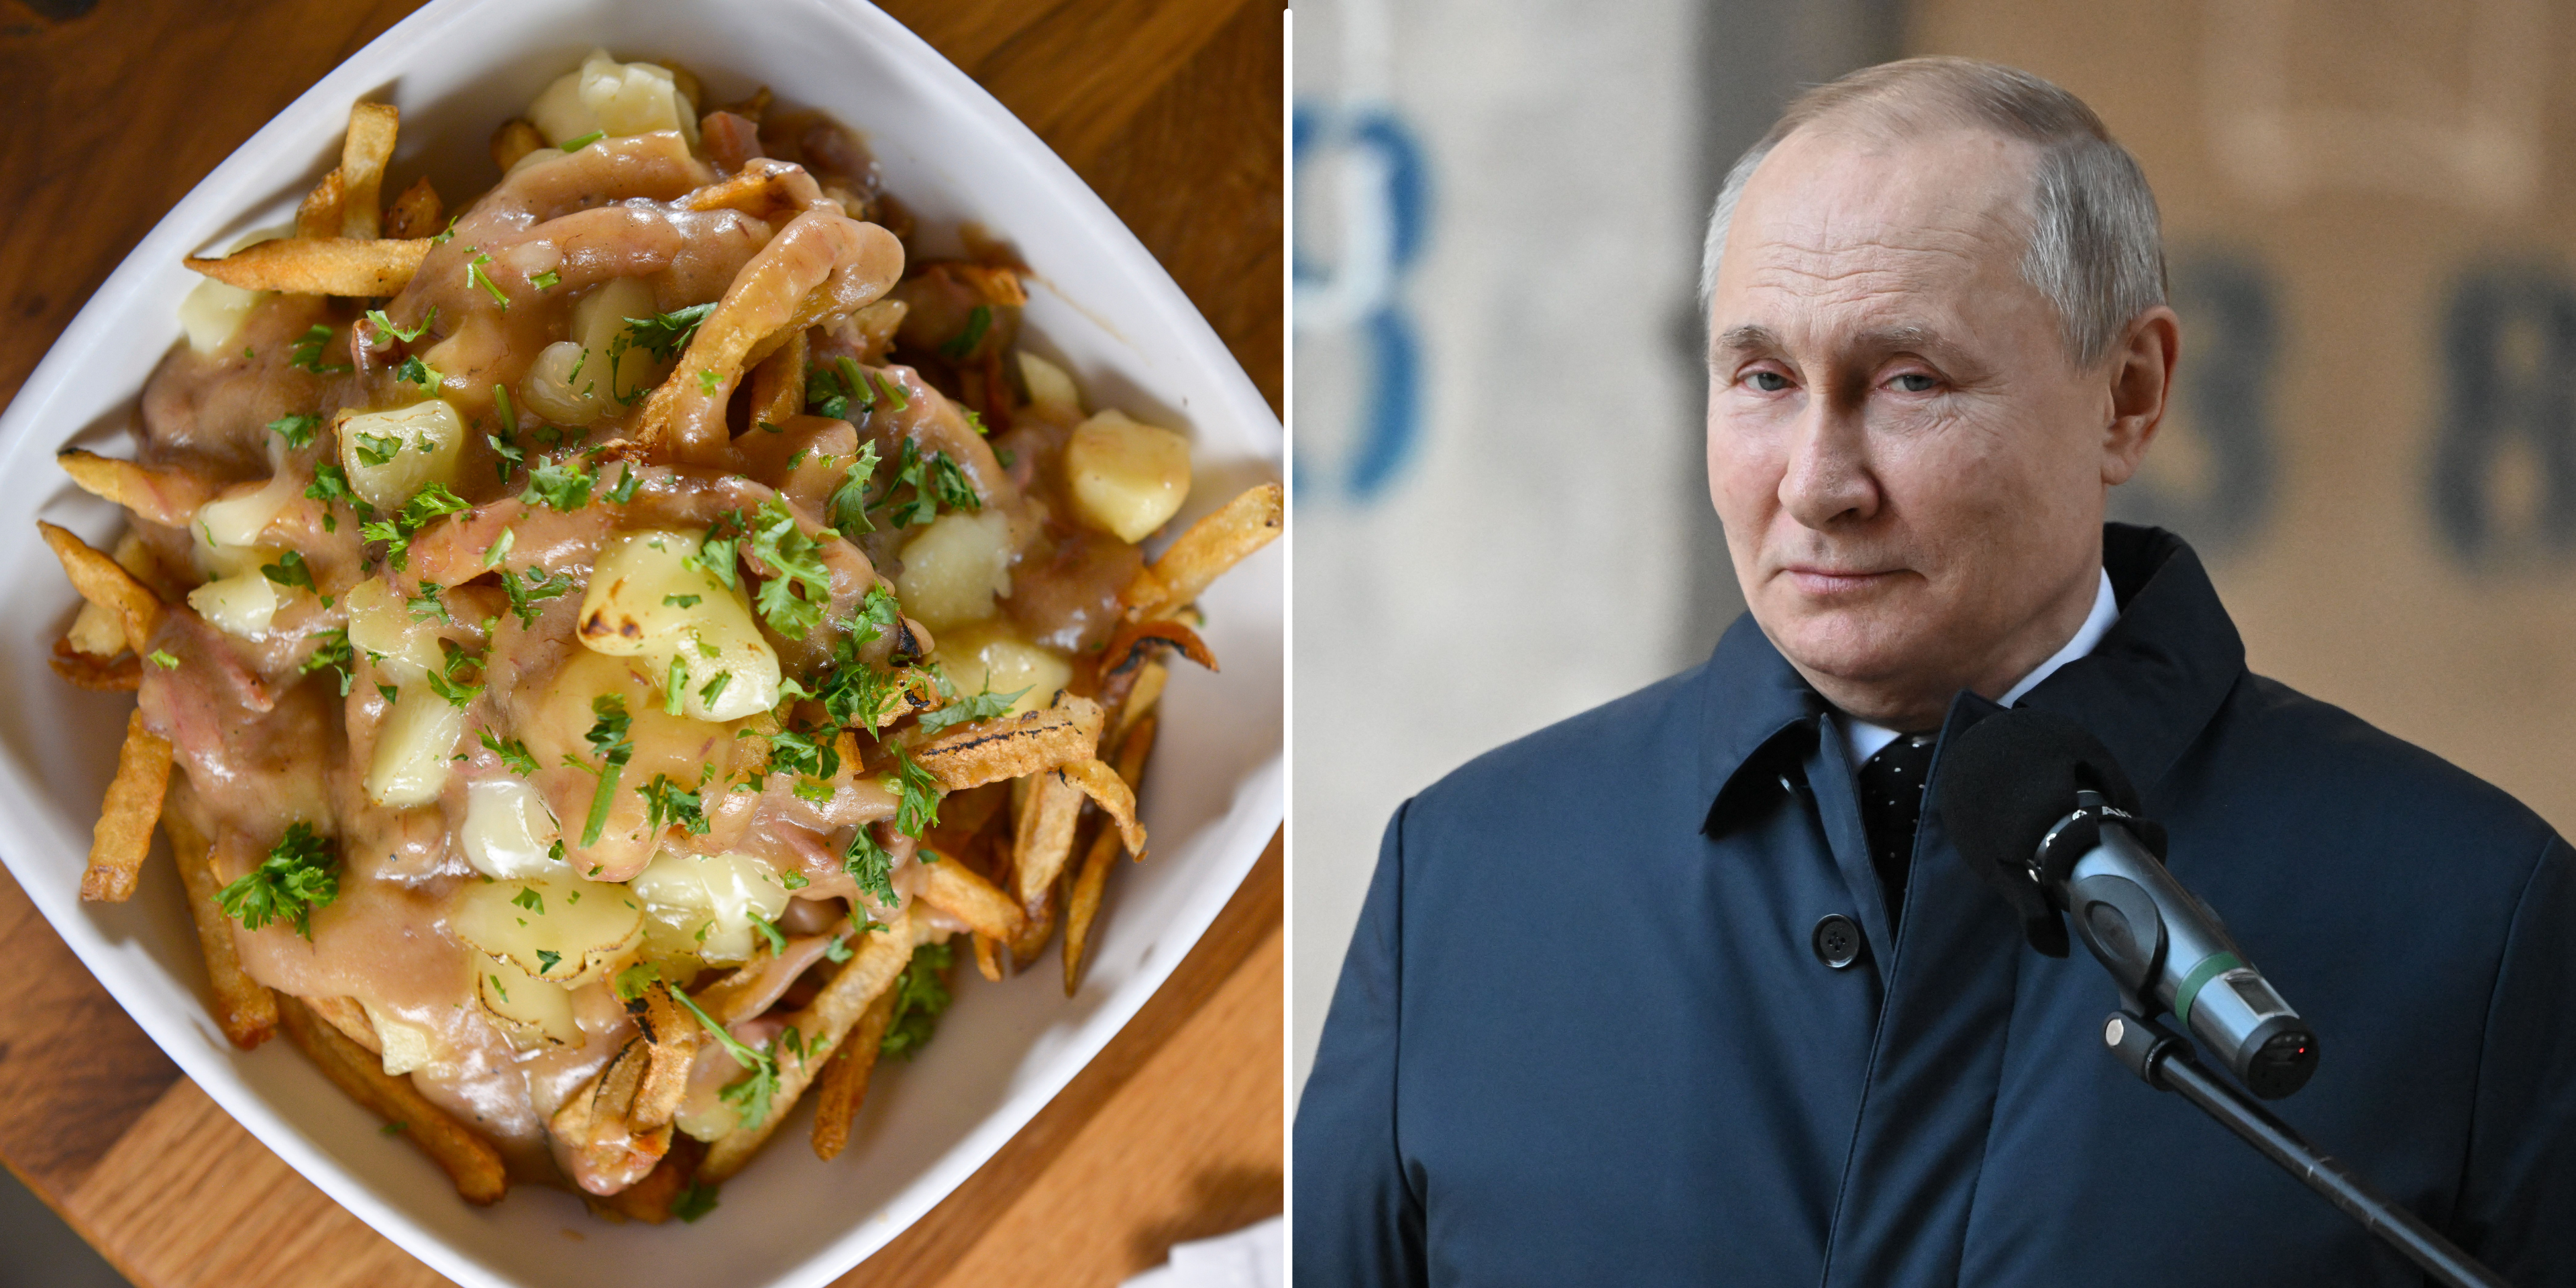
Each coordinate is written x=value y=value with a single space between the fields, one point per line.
x=2042 y=812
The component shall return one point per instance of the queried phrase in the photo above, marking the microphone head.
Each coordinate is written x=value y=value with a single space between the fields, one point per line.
x=2003 y=782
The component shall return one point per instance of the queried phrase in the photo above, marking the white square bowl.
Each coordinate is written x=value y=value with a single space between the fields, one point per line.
x=1099 y=303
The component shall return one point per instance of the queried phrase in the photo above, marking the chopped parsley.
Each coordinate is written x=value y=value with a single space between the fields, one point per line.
x=695 y=1200
x=576 y=145
x=307 y=352
x=978 y=322
x=546 y=960
x=386 y=324
x=162 y=658
x=510 y=456
x=707 y=695
x=475 y=275
x=563 y=485
x=331 y=484
x=539 y=585
x=625 y=489
x=983 y=706
x=715 y=558
x=708 y=381
x=848 y=507
x=797 y=751
x=870 y=866
x=793 y=1038
x=290 y=571
x=665 y=804
x=296 y=430
x=793 y=880
x=664 y=334
x=429 y=604
x=500 y=547
x=413 y=371
x=428 y=503
x=795 y=563
x=752 y=1094
x=528 y=898
x=377 y=450
x=512 y=752
x=917 y=794
x=919 y=997
x=544 y=281
x=447 y=682
x=298 y=876
x=608 y=740
x=936 y=481
x=333 y=652
x=682 y=601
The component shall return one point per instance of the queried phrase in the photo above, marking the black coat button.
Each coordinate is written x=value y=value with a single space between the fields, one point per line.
x=1837 y=941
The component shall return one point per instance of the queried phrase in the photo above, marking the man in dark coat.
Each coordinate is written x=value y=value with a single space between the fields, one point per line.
x=1693 y=988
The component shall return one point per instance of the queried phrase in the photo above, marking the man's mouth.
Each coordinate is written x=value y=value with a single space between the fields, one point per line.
x=1826 y=583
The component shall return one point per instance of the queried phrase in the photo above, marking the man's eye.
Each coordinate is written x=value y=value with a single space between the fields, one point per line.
x=1769 y=382
x=1916 y=382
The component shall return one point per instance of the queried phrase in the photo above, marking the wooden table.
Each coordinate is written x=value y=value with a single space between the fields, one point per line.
x=1170 y=110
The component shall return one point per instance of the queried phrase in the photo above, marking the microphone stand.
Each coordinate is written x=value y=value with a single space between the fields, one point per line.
x=2165 y=1061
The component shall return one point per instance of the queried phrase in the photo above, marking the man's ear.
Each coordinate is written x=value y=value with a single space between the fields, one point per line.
x=2141 y=374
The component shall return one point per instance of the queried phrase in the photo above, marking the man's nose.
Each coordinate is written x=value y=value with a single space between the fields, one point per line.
x=1828 y=479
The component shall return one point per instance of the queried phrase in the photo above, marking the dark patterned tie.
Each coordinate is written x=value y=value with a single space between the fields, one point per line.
x=1891 y=805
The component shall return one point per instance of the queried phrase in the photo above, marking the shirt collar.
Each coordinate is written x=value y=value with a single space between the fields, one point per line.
x=2149 y=682
x=1861 y=739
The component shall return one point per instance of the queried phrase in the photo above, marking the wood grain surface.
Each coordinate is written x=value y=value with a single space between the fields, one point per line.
x=1170 y=109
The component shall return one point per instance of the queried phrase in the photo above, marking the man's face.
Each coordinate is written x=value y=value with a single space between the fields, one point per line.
x=1910 y=468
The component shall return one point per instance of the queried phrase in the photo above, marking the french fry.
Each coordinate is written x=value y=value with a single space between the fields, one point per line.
x=124 y=835
x=988 y=751
x=363 y=154
x=1043 y=841
x=649 y=1200
x=844 y=1084
x=820 y=266
x=1082 y=903
x=593 y=1124
x=320 y=266
x=169 y=497
x=1041 y=925
x=415 y=213
x=244 y=1007
x=1201 y=555
x=673 y=1039
x=318 y=215
x=764 y=188
x=1114 y=797
x=468 y=1159
x=824 y=1022
x=963 y=893
x=778 y=384
x=350 y=1017
x=98 y=674
x=515 y=139
x=1141 y=697
x=988 y=958
x=103 y=581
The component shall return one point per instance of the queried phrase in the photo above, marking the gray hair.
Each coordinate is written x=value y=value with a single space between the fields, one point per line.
x=2096 y=248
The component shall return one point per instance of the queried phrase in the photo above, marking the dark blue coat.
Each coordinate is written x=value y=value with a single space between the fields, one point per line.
x=1582 y=1035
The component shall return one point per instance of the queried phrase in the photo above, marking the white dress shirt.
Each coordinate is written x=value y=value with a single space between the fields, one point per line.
x=1861 y=739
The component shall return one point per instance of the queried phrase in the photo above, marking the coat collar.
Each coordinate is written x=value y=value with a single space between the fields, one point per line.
x=2146 y=690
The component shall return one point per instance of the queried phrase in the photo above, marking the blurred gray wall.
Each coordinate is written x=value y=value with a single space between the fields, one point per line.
x=1502 y=511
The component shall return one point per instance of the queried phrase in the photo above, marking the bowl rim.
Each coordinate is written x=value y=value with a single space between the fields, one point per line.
x=215 y=201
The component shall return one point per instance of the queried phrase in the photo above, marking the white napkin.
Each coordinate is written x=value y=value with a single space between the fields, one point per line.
x=1251 y=1257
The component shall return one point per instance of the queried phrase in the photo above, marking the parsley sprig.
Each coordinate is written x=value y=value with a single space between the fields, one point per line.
x=608 y=740
x=796 y=565
x=920 y=995
x=299 y=875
